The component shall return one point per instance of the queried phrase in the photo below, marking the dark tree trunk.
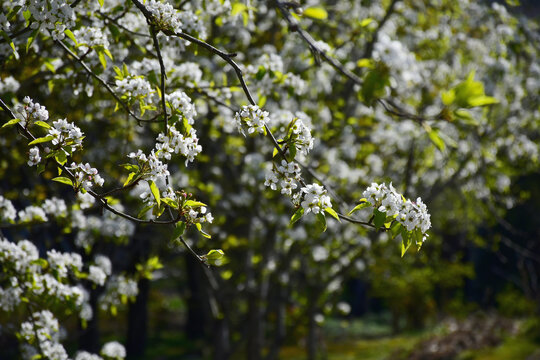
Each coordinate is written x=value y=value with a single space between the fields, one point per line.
x=89 y=338
x=197 y=302
x=137 y=333
x=311 y=342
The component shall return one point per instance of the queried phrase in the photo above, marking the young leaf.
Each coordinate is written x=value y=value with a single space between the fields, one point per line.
x=297 y=215
x=41 y=140
x=332 y=213
x=179 y=229
x=42 y=124
x=63 y=180
x=155 y=191
x=316 y=13
x=363 y=204
x=321 y=221
x=379 y=219
x=129 y=179
x=11 y=122
x=193 y=203
x=70 y=35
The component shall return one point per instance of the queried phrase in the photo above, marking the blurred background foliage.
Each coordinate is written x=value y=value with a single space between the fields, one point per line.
x=471 y=292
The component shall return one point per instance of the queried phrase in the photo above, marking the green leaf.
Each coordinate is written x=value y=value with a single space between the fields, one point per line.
x=297 y=215
x=367 y=63
x=41 y=140
x=482 y=101
x=315 y=13
x=108 y=53
x=448 y=97
x=102 y=59
x=332 y=213
x=155 y=191
x=70 y=35
x=170 y=202
x=199 y=227
x=129 y=179
x=10 y=42
x=179 y=229
x=321 y=221
x=31 y=39
x=466 y=116
x=238 y=8
x=11 y=122
x=375 y=83
x=42 y=124
x=215 y=254
x=60 y=157
x=366 y=22
x=130 y=167
x=101 y=2
x=363 y=204
x=405 y=240
x=434 y=137
x=193 y=203
x=144 y=211
x=63 y=180
x=262 y=101
x=395 y=229
x=379 y=218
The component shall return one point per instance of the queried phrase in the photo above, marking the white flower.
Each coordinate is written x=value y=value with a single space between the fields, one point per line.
x=179 y=101
x=96 y=275
x=388 y=200
x=165 y=16
x=86 y=175
x=252 y=119
x=113 y=350
x=315 y=198
x=7 y=210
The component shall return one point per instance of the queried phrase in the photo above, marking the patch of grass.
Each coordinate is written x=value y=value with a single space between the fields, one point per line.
x=515 y=348
x=369 y=349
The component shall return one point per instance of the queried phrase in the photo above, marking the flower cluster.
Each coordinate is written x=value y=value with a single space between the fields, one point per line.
x=252 y=119
x=90 y=37
x=61 y=262
x=166 y=17
x=86 y=175
x=178 y=101
x=98 y=273
x=41 y=334
x=315 y=199
x=301 y=135
x=55 y=207
x=113 y=350
x=152 y=167
x=20 y=264
x=134 y=86
x=32 y=213
x=117 y=291
x=65 y=133
x=192 y=23
x=386 y=199
x=285 y=175
x=31 y=111
x=33 y=156
x=8 y=84
x=7 y=210
x=178 y=143
x=199 y=216
x=54 y=15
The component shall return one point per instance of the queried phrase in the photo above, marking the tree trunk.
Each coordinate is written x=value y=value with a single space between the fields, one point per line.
x=137 y=331
x=89 y=338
